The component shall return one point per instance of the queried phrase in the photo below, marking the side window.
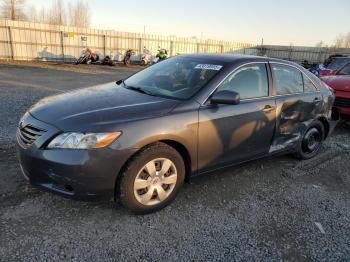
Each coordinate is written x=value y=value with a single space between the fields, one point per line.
x=308 y=85
x=249 y=81
x=288 y=79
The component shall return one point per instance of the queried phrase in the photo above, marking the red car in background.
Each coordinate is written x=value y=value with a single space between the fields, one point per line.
x=333 y=65
x=340 y=82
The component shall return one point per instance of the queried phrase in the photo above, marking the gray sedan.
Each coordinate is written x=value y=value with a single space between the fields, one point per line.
x=139 y=139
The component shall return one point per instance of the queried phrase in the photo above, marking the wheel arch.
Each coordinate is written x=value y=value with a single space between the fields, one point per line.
x=183 y=151
x=179 y=147
x=325 y=124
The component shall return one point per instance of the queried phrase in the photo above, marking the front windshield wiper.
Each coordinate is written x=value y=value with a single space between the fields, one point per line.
x=139 y=89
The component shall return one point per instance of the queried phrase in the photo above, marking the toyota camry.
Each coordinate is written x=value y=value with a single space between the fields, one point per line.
x=139 y=139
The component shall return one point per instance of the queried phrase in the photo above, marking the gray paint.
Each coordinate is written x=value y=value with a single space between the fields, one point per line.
x=214 y=136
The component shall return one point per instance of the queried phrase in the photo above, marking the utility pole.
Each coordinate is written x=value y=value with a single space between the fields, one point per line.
x=13 y=10
x=261 y=46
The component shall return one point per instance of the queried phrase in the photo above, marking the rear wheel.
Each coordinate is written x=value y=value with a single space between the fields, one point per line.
x=126 y=61
x=311 y=142
x=151 y=179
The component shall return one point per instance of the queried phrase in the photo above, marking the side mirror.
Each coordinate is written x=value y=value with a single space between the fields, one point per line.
x=119 y=82
x=225 y=97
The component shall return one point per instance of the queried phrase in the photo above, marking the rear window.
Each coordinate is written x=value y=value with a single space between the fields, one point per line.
x=308 y=85
x=288 y=79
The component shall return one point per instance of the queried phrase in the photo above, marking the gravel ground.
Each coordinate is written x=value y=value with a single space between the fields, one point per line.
x=272 y=209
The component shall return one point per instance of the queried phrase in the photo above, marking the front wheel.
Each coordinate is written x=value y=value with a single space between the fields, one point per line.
x=80 y=60
x=151 y=179
x=311 y=142
x=126 y=62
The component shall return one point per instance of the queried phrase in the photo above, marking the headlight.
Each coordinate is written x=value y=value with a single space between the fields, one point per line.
x=83 y=141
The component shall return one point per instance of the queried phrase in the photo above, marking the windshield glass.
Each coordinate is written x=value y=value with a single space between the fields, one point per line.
x=345 y=70
x=178 y=77
x=337 y=63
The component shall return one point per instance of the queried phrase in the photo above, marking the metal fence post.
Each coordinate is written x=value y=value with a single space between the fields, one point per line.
x=171 y=48
x=104 y=45
x=62 y=46
x=10 y=42
x=140 y=47
x=290 y=53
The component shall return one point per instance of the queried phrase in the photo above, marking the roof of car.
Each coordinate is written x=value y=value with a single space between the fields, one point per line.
x=234 y=58
x=341 y=57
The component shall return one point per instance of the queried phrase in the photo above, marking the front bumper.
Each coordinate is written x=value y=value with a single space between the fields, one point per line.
x=79 y=174
x=342 y=101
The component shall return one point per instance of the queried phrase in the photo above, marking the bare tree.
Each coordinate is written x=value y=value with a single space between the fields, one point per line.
x=320 y=44
x=79 y=14
x=43 y=15
x=13 y=9
x=338 y=43
x=342 y=41
x=347 y=40
x=57 y=13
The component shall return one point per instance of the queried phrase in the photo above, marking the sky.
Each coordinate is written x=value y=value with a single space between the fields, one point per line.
x=285 y=22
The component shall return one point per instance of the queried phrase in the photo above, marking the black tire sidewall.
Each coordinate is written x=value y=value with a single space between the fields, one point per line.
x=320 y=127
x=126 y=185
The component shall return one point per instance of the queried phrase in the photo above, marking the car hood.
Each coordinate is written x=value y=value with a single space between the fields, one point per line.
x=338 y=82
x=99 y=107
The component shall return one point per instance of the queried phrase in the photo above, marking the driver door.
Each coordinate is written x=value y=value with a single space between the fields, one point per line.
x=231 y=134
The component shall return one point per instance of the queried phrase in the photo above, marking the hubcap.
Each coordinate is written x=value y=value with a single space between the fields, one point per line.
x=155 y=181
x=312 y=141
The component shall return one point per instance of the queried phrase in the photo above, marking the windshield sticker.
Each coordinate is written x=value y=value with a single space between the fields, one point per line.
x=208 y=67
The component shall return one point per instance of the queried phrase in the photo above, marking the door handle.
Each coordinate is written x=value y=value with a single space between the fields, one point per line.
x=317 y=99
x=268 y=108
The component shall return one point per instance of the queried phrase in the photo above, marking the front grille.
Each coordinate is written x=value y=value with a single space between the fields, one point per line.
x=28 y=134
x=342 y=102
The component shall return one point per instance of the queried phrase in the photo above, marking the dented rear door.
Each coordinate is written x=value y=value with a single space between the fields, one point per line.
x=296 y=106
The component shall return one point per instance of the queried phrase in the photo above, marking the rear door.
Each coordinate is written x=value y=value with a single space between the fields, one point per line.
x=235 y=133
x=298 y=102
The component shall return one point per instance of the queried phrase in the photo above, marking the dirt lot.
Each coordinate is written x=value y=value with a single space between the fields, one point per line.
x=271 y=209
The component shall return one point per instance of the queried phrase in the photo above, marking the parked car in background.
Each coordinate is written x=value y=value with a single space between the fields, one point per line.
x=333 y=65
x=340 y=82
x=138 y=140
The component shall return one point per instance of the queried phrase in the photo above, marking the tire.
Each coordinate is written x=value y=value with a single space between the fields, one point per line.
x=80 y=60
x=142 y=199
x=311 y=142
x=126 y=62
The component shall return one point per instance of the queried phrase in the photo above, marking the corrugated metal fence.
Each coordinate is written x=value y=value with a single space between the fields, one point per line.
x=28 y=41
x=34 y=41
x=295 y=53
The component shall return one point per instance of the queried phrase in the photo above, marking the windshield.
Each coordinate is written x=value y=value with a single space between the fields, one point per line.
x=178 y=77
x=345 y=70
x=337 y=63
